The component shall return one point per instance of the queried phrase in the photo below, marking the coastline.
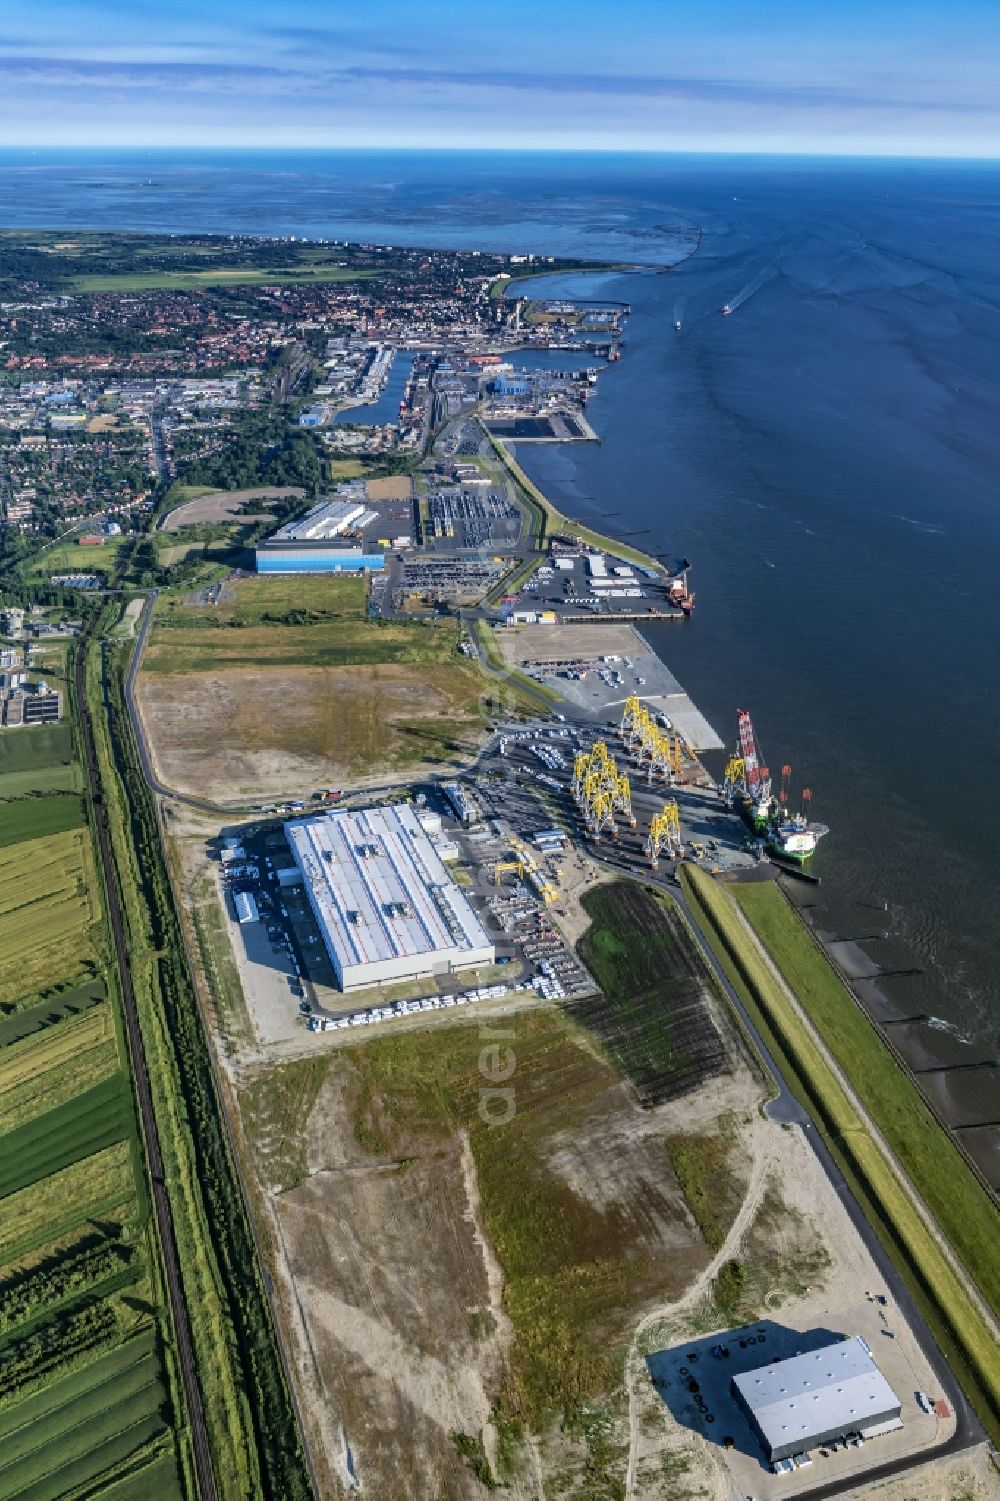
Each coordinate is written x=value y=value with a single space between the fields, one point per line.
x=930 y=1032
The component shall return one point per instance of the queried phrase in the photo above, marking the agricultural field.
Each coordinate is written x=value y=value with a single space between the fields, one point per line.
x=34 y=753
x=65 y=1200
x=523 y=1246
x=656 y=1016
x=219 y=276
x=40 y=1071
x=286 y=682
x=60 y=1002
x=85 y=1124
x=83 y=1387
x=85 y=1399
x=49 y=913
x=37 y=817
x=104 y=1420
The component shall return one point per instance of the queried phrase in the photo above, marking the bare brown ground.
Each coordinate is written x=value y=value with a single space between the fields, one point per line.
x=222 y=505
x=403 y=1335
x=810 y=1269
x=391 y=487
x=241 y=733
x=557 y=643
x=394 y=1296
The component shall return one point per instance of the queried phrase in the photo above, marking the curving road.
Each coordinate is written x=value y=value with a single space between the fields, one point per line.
x=783 y=1108
x=204 y=1471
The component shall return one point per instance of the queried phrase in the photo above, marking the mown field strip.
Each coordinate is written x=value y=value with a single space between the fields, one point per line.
x=58 y=1203
x=30 y=818
x=41 y=1015
x=49 y=1476
x=21 y=784
x=30 y=1057
x=84 y=1125
x=75 y=1075
x=48 y=902
x=96 y=1377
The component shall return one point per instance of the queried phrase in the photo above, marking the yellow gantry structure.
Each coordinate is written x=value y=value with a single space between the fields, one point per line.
x=664 y=833
x=654 y=748
x=523 y=863
x=601 y=790
x=735 y=779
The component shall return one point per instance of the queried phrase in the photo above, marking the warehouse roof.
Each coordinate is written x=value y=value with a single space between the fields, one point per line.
x=838 y=1387
x=331 y=518
x=379 y=887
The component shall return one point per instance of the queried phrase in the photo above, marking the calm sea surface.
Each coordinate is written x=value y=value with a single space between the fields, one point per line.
x=828 y=457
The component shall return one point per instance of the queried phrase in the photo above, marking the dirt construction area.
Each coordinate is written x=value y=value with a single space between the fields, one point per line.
x=686 y=1433
x=223 y=505
x=398 y=1299
x=239 y=734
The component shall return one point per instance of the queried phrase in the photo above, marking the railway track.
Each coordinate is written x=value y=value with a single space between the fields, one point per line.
x=204 y=1471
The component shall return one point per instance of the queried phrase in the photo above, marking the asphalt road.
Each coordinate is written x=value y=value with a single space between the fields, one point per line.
x=784 y=1108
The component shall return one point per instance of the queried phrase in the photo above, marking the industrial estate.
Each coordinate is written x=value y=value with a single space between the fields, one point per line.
x=415 y=1076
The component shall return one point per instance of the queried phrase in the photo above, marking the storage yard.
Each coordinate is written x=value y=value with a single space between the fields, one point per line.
x=596 y=666
x=759 y=1398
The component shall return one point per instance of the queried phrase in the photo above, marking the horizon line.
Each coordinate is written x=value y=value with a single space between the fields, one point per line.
x=483 y=150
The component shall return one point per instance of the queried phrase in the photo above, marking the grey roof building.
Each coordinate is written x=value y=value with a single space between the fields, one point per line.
x=826 y=1394
x=386 y=907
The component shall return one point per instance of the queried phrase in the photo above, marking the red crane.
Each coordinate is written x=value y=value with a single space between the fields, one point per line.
x=786 y=772
x=758 y=776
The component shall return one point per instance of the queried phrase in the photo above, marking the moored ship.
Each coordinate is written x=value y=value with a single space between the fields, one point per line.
x=747 y=789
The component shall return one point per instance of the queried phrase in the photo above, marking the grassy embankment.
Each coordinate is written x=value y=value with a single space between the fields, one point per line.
x=251 y=1422
x=525 y=696
x=936 y=1170
x=546 y=518
x=87 y=1381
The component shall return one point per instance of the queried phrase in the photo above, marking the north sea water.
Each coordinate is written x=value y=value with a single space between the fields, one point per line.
x=827 y=456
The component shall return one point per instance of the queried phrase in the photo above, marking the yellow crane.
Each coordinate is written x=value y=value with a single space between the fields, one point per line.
x=630 y=713
x=664 y=834
x=735 y=779
x=621 y=799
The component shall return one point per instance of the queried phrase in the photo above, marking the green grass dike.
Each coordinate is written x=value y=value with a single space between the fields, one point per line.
x=940 y=1175
x=546 y=518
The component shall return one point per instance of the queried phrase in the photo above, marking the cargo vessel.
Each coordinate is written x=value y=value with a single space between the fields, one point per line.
x=794 y=838
x=747 y=789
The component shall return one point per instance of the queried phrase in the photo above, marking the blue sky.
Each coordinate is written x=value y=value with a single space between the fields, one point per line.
x=867 y=76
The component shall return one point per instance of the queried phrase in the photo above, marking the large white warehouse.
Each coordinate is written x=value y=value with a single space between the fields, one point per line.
x=811 y=1399
x=386 y=906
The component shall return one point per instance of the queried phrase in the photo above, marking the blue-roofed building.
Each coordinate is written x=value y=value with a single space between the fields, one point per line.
x=331 y=538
